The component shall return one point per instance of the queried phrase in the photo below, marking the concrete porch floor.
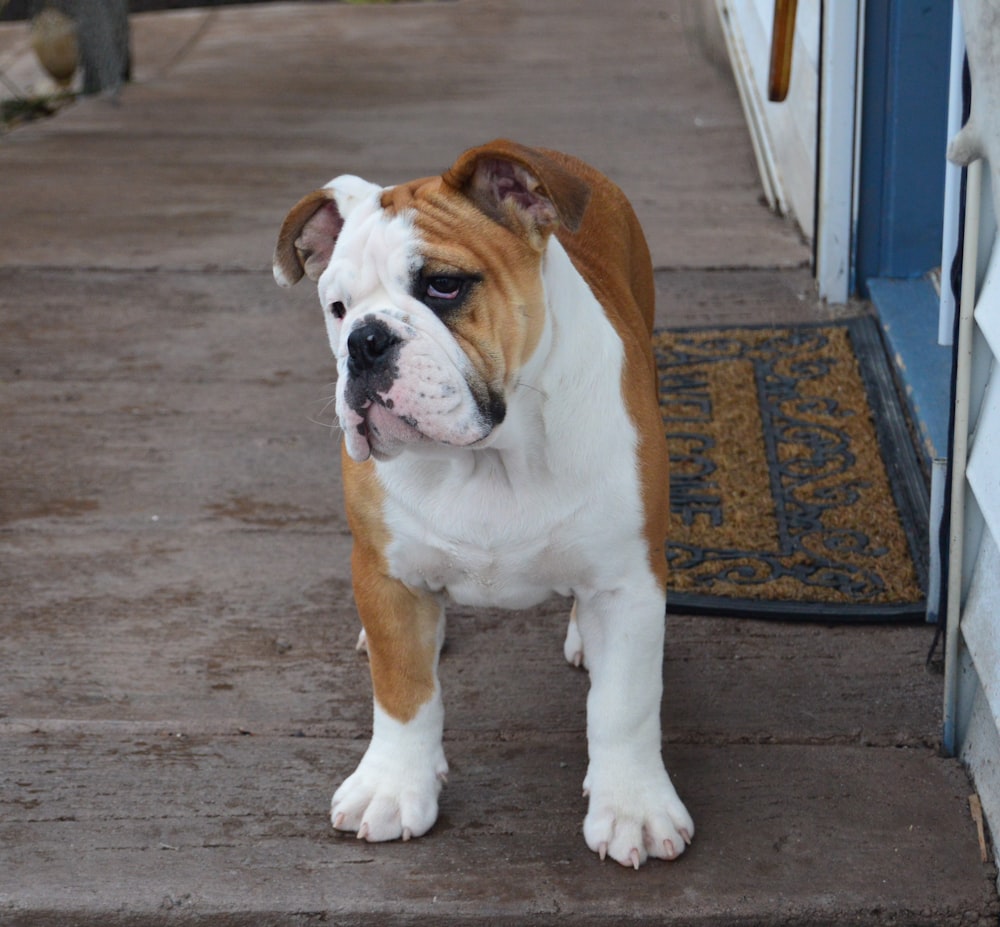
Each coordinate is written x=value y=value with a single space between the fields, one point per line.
x=180 y=693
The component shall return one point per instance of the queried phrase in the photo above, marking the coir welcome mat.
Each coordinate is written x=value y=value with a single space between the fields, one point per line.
x=795 y=489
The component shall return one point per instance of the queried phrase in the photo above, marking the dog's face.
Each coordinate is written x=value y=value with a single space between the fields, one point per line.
x=433 y=298
x=428 y=330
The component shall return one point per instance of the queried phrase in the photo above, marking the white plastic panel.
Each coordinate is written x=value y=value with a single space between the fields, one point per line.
x=983 y=468
x=980 y=627
x=988 y=303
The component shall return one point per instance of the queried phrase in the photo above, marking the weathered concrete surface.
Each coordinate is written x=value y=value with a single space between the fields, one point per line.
x=223 y=829
x=269 y=101
x=180 y=693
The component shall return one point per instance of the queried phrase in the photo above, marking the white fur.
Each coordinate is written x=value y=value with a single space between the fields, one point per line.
x=549 y=502
x=370 y=272
x=552 y=504
x=394 y=791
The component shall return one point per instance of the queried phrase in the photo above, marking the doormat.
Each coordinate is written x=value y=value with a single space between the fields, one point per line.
x=795 y=489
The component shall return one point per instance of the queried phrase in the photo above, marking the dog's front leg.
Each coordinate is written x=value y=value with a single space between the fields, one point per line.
x=634 y=811
x=394 y=791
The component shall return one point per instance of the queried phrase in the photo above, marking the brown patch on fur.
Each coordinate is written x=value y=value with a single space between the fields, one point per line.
x=610 y=237
x=606 y=244
x=401 y=624
x=502 y=320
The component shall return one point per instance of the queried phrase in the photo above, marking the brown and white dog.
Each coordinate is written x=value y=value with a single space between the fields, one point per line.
x=502 y=442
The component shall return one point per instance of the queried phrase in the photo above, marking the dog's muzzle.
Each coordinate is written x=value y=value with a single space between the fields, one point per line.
x=400 y=387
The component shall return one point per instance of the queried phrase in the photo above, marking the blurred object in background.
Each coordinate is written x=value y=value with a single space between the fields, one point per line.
x=102 y=38
x=53 y=38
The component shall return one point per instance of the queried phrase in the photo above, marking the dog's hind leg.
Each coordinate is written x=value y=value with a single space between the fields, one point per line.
x=573 y=645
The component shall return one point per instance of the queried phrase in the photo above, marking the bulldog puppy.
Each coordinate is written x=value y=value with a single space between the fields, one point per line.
x=502 y=442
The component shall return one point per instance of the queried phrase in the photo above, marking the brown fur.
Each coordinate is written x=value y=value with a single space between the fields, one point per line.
x=504 y=317
x=610 y=237
x=401 y=624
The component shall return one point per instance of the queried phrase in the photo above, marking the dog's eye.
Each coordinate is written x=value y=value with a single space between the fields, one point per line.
x=338 y=310
x=445 y=288
x=445 y=294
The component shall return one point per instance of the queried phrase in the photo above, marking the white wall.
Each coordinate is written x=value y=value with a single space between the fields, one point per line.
x=783 y=134
x=972 y=684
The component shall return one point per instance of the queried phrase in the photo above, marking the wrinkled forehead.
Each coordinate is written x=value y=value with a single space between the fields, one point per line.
x=451 y=230
x=407 y=196
x=378 y=248
x=390 y=237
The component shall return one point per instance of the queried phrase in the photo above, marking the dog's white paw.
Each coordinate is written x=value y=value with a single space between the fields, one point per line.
x=634 y=816
x=388 y=800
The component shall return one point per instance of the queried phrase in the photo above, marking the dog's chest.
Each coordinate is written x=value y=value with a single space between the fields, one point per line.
x=515 y=574
x=486 y=541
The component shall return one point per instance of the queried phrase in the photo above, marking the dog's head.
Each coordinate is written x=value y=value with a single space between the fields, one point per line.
x=432 y=291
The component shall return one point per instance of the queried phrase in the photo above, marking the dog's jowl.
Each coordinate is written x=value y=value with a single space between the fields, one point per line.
x=502 y=442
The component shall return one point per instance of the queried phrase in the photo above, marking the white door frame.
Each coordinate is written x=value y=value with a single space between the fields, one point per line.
x=838 y=157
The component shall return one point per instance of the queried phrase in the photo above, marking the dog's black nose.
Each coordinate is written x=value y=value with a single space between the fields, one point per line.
x=368 y=346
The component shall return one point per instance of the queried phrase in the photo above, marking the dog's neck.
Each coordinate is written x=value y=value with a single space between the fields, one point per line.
x=585 y=372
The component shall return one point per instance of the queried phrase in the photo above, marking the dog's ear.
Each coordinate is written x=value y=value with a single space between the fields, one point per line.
x=307 y=237
x=310 y=230
x=527 y=190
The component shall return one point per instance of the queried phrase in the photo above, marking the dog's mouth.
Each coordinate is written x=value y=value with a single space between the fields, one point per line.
x=385 y=432
x=376 y=430
x=410 y=393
